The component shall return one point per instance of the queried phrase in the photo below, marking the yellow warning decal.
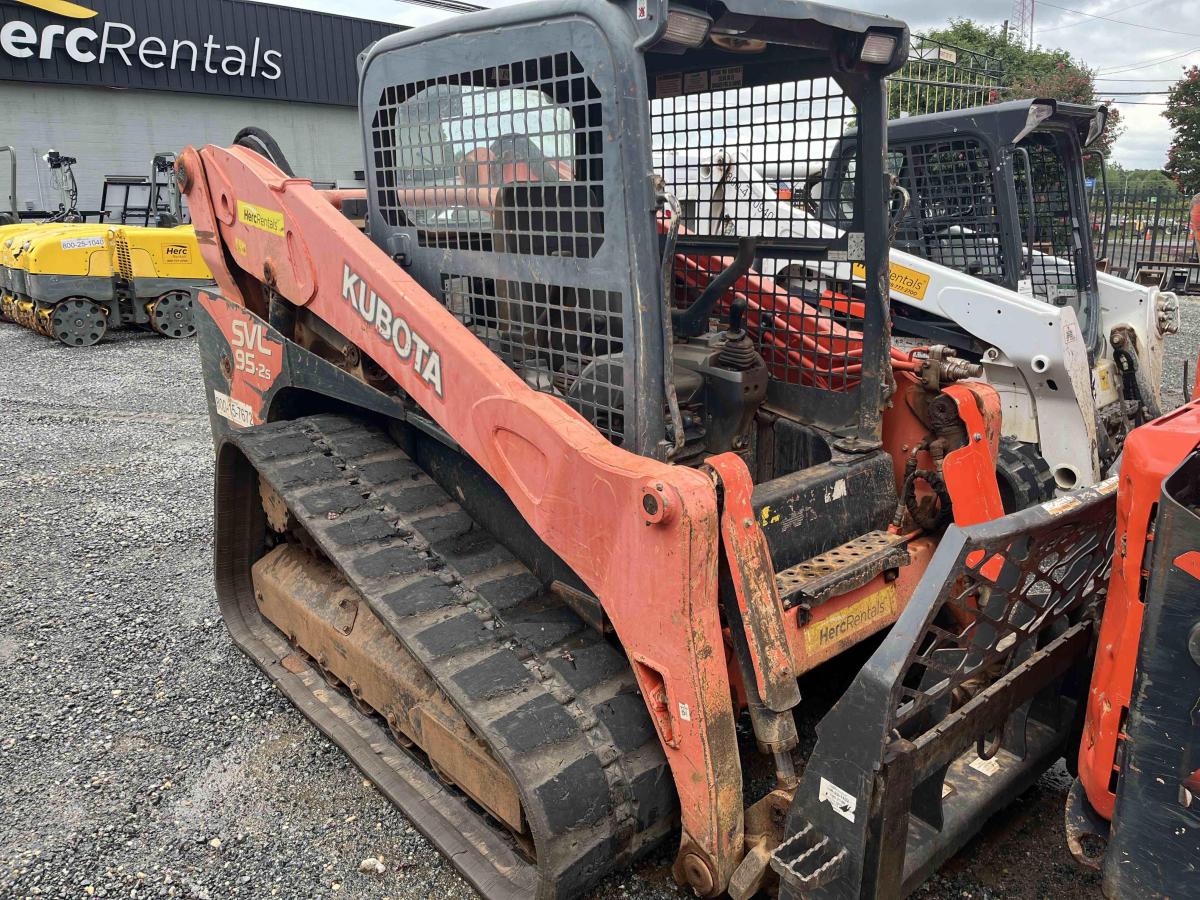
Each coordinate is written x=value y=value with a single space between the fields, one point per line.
x=862 y=617
x=267 y=220
x=904 y=280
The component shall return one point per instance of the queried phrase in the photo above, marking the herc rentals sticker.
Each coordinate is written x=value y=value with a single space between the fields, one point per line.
x=409 y=346
x=904 y=280
x=268 y=220
x=864 y=615
x=177 y=254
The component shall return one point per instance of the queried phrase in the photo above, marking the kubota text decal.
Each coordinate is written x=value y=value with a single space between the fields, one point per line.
x=393 y=328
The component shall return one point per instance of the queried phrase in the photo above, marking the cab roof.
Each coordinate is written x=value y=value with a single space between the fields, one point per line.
x=1006 y=122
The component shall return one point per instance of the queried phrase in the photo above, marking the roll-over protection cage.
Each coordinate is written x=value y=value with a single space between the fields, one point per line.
x=511 y=168
x=998 y=192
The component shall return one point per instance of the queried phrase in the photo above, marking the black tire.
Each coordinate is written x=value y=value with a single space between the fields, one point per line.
x=1024 y=477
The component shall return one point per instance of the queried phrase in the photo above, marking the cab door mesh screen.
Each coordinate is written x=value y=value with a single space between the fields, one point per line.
x=500 y=167
x=1056 y=240
x=753 y=162
x=952 y=217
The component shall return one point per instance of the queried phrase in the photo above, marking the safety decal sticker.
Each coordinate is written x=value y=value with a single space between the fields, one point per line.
x=988 y=767
x=1060 y=505
x=843 y=802
x=725 y=77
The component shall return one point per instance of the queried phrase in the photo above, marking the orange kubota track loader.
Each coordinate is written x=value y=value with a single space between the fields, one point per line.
x=552 y=490
x=1134 y=809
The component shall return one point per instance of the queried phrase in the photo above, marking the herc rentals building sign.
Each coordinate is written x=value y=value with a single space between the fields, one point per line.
x=225 y=47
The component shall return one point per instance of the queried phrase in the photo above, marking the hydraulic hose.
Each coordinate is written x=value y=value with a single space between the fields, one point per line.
x=261 y=142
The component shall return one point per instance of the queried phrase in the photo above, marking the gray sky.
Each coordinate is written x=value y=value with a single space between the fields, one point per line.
x=1145 y=56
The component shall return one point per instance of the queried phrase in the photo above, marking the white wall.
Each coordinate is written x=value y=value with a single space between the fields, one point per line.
x=116 y=132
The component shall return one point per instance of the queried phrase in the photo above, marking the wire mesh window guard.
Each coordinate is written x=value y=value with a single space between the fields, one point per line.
x=562 y=340
x=952 y=217
x=753 y=162
x=507 y=159
x=1055 y=230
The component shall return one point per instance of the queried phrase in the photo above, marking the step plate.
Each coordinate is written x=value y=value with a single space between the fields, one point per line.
x=841 y=569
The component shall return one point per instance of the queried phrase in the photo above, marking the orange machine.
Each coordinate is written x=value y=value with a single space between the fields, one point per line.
x=553 y=485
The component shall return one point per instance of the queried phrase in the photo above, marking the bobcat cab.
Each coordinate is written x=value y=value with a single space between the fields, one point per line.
x=998 y=192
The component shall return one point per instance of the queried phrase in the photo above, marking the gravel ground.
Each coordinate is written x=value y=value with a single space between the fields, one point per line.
x=141 y=755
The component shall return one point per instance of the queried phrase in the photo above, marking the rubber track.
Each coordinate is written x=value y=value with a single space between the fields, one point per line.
x=556 y=703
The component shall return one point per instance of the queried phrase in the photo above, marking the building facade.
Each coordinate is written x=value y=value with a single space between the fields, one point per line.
x=112 y=82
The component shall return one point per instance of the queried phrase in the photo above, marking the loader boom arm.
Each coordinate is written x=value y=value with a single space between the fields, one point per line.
x=655 y=573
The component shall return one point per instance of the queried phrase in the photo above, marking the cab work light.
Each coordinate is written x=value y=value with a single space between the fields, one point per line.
x=686 y=29
x=878 y=48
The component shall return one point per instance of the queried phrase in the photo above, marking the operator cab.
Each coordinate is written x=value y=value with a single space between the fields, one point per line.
x=996 y=192
x=540 y=184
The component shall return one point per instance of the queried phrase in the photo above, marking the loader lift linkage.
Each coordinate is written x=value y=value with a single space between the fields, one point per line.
x=551 y=488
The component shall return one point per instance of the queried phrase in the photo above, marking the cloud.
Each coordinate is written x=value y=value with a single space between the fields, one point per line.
x=1106 y=46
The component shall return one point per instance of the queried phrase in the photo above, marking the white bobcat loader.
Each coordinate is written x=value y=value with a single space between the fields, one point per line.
x=991 y=257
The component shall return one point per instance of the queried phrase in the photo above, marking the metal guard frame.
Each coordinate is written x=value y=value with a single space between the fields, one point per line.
x=947 y=722
x=606 y=35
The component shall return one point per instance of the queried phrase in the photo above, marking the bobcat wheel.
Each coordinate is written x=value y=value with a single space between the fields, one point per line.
x=78 y=323
x=1023 y=476
x=171 y=315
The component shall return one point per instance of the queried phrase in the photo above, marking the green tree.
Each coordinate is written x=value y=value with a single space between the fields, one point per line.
x=1040 y=72
x=1183 y=112
x=1139 y=180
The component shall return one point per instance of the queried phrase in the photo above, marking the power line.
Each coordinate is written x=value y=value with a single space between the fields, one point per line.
x=1133 y=93
x=448 y=5
x=1080 y=12
x=1082 y=21
x=1139 y=80
x=1147 y=65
